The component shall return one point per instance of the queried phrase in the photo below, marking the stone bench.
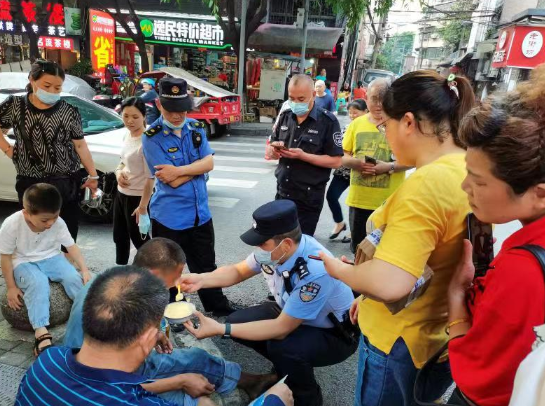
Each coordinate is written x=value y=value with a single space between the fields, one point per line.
x=59 y=309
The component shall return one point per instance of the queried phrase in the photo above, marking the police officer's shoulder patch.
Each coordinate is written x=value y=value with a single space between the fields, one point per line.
x=197 y=124
x=309 y=291
x=338 y=138
x=153 y=130
x=329 y=114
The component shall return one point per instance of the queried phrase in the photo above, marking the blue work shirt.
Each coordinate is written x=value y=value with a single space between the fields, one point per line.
x=326 y=102
x=187 y=205
x=314 y=296
x=57 y=378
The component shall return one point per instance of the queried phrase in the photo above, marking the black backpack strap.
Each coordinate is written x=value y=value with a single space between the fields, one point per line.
x=538 y=252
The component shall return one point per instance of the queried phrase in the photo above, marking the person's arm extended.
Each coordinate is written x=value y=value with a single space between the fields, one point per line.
x=14 y=293
x=274 y=329
x=5 y=146
x=350 y=162
x=194 y=385
x=75 y=254
x=146 y=194
x=85 y=155
x=222 y=277
x=376 y=279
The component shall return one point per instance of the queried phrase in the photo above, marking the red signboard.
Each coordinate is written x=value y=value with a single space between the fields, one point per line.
x=102 y=27
x=521 y=46
x=56 y=43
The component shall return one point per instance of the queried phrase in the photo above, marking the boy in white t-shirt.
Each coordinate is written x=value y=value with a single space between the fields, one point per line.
x=30 y=248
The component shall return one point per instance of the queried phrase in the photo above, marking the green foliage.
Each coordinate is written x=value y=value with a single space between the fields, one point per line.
x=394 y=51
x=460 y=27
x=354 y=10
x=81 y=68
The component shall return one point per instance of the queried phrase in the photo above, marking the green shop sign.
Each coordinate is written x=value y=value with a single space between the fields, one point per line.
x=199 y=34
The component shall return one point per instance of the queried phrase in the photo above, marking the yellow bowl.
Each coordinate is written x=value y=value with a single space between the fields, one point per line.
x=179 y=312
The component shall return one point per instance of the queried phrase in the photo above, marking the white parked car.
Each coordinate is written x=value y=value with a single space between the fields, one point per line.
x=104 y=132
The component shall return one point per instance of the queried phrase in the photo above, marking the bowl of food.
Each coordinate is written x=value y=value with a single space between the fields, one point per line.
x=179 y=312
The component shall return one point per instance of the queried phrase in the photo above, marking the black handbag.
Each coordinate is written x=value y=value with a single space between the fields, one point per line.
x=424 y=377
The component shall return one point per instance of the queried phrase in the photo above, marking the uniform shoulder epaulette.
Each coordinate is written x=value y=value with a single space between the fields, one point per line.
x=329 y=114
x=153 y=130
x=196 y=124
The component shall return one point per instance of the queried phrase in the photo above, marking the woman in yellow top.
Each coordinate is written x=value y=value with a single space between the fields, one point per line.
x=424 y=224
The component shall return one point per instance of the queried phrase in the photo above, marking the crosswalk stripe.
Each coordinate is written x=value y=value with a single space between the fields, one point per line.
x=223 y=202
x=261 y=143
x=244 y=150
x=243 y=159
x=244 y=184
x=242 y=169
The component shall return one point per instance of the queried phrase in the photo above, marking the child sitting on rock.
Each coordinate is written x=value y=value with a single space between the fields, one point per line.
x=30 y=247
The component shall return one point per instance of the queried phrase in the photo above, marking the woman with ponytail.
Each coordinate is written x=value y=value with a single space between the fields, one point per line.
x=421 y=226
x=493 y=317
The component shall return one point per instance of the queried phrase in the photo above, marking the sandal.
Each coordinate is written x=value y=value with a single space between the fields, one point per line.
x=37 y=349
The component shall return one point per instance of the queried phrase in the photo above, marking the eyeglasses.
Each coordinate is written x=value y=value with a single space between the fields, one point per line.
x=382 y=127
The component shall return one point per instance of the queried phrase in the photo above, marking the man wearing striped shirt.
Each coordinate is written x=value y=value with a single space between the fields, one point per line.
x=121 y=316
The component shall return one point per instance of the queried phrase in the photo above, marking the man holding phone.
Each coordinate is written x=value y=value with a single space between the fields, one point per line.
x=308 y=141
x=374 y=173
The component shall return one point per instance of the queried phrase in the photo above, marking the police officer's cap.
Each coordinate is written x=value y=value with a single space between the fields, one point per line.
x=173 y=95
x=270 y=220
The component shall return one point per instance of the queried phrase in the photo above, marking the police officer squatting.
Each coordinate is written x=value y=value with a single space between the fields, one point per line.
x=307 y=325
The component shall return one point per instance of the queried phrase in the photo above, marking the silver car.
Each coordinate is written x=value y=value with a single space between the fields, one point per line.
x=104 y=133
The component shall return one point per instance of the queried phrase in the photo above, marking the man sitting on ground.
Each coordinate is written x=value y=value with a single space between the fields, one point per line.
x=206 y=373
x=121 y=315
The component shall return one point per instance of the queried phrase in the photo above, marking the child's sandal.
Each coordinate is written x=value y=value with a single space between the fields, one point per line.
x=37 y=349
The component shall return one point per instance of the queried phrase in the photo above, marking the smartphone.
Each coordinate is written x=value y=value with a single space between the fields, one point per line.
x=480 y=235
x=370 y=160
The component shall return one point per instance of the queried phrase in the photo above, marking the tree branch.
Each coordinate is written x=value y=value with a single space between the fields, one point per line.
x=370 y=15
x=255 y=22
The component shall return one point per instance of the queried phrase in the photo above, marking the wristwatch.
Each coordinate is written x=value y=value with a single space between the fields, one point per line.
x=392 y=169
x=227 y=333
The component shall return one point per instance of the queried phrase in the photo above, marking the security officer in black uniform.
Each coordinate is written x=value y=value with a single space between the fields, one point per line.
x=308 y=325
x=308 y=141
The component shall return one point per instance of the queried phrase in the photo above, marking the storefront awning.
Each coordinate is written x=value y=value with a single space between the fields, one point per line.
x=288 y=38
x=197 y=83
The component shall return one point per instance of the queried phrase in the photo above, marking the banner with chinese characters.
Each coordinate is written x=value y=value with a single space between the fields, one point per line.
x=66 y=44
x=102 y=30
x=201 y=34
x=520 y=46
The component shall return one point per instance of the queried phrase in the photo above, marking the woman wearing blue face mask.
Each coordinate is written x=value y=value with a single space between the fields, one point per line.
x=134 y=184
x=49 y=144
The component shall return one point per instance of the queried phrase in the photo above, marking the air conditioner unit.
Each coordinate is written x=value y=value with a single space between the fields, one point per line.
x=493 y=73
x=434 y=36
x=300 y=18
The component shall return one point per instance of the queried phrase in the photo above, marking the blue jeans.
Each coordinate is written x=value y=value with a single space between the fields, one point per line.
x=224 y=375
x=388 y=379
x=33 y=279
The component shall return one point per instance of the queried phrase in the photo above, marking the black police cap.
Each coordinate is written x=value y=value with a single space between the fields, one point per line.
x=270 y=220
x=173 y=95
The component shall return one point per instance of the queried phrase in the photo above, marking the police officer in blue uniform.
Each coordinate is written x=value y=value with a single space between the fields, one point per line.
x=179 y=155
x=308 y=325
x=308 y=141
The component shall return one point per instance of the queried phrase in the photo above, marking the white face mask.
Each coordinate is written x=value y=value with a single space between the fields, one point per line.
x=265 y=257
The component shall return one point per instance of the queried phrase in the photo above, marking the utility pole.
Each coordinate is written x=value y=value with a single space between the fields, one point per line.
x=378 y=40
x=241 y=58
x=305 y=31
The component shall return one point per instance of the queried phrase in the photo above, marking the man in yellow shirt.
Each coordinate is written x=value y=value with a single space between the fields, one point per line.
x=373 y=180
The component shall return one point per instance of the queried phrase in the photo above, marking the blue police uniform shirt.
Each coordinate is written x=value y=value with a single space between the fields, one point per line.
x=314 y=296
x=57 y=378
x=177 y=208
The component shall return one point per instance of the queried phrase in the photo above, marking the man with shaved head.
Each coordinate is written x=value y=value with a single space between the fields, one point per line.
x=308 y=142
